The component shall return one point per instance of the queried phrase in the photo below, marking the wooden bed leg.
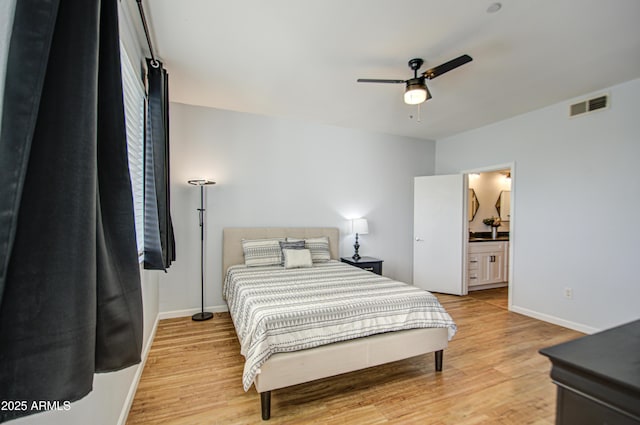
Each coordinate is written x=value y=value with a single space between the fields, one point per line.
x=265 y=403
x=438 y=355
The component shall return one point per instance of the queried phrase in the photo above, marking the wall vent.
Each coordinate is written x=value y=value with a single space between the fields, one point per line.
x=589 y=105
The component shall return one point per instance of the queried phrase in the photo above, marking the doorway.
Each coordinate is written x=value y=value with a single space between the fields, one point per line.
x=441 y=232
x=490 y=208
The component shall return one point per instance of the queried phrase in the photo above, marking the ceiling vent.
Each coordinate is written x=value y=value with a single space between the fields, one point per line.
x=589 y=105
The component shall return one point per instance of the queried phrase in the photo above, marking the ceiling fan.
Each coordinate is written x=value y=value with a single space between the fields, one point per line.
x=417 y=91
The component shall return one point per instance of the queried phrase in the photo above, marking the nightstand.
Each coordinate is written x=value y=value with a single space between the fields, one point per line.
x=365 y=263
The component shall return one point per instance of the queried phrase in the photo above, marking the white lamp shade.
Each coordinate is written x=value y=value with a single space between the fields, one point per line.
x=360 y=226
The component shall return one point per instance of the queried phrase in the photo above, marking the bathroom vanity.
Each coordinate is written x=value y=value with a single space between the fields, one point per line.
x=487 y=262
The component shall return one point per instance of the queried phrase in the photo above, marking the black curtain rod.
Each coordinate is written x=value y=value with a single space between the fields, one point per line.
x=154 y=62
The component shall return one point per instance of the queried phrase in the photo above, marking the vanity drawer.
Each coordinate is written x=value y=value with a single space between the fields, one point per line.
x=479 y=247
x=473 y=262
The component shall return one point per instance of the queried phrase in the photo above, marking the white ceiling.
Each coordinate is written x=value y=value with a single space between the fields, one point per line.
x=300 y=59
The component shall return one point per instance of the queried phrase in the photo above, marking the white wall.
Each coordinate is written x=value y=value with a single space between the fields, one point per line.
x=277 y=172
x=576 y=191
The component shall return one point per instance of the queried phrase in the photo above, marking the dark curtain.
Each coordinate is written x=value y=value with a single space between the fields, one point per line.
x=70 y=299
x=159 y=243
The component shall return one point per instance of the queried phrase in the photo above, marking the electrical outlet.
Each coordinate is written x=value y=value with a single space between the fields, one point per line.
x=568 y=293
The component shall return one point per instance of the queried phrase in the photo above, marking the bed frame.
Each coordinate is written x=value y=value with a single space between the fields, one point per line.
x=287 y=369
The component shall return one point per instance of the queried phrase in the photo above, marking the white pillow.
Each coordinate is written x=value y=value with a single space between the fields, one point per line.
x=297 y=258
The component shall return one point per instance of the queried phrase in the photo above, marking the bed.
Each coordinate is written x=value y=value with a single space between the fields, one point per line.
x=262 y=297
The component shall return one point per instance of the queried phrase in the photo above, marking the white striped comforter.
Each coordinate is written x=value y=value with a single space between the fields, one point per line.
x=280 y=310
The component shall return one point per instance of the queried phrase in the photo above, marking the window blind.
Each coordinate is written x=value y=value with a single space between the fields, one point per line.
x=134 y=107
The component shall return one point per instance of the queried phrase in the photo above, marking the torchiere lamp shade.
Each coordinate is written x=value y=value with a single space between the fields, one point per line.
x=200 y=182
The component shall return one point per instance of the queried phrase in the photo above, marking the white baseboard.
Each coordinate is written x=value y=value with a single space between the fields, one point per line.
x=136 y=379
x=555 y=320
x=190 y=312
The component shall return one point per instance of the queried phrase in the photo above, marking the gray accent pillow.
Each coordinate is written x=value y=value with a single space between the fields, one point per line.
x=319 y=248
x=290 y=245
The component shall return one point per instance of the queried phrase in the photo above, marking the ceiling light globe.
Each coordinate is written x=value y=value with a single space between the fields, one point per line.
x=416 y=91
x=415 y=96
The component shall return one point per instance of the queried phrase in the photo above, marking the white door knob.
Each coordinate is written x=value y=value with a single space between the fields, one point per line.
x=419 y=239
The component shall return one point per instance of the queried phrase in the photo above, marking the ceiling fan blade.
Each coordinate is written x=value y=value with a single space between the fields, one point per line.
x=370 y=80
x=432 y=73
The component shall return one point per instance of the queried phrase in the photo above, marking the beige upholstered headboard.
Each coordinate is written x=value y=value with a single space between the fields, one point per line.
x=232 y=240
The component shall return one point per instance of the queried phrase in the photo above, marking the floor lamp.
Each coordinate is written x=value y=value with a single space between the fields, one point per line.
x=203 y=315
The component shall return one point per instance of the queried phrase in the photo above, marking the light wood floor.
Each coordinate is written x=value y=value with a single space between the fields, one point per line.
x=492 y=374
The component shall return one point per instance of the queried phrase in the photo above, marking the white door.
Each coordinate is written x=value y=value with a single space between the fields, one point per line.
x=438 y=225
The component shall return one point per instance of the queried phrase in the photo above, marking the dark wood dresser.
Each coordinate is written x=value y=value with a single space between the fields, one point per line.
x=598 y=377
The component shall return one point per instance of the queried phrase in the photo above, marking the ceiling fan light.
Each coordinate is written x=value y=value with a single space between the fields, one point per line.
x=416 y=92
x=415 y=96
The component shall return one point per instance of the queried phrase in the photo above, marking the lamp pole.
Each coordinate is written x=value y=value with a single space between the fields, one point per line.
x=203 y=315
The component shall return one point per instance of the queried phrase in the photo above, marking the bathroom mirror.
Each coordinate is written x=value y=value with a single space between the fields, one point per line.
x=473 y=204
x=503 y=205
